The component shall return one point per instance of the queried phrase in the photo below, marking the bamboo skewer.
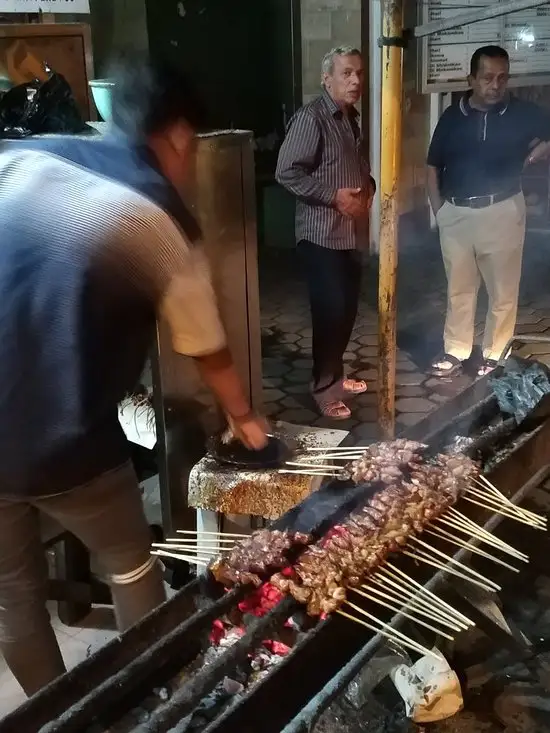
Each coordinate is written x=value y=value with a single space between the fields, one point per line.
x=410 y=644
x=409 y=599
x=189 y=559
x=470 y=527
x=464 y=521
x=424 y=603
x=319 y=466
x=191 y=548
x=506 y=506
x=308 y=473
x=443 y=534
x=507 y=514
x=470 y=532
x=455 y=562
x=482 y=481
x=207 y=541
x=403 y=612
x=428 y=560
x=395 y=572
x=338 y=449
x=217 y=534
x=391 y=630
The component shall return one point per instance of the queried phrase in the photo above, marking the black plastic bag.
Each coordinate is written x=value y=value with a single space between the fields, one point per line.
x=40 y=108
x=521 y=389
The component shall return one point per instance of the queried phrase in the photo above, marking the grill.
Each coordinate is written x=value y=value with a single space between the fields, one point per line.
x=101 y=694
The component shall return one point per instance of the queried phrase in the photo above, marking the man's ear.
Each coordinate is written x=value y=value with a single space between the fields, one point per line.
x=470 y=80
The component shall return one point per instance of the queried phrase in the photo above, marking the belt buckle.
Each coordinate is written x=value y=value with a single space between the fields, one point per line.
x=481 y=202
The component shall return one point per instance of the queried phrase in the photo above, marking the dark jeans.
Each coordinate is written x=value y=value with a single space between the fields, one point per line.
x=334 y=281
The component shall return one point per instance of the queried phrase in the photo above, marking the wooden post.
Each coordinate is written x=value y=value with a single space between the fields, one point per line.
x=392 y=92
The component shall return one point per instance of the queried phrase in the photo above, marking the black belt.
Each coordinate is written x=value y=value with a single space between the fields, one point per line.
x=481 y=202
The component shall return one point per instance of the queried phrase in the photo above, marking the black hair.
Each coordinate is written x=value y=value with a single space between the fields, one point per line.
x=150 y=95
x=490 y=52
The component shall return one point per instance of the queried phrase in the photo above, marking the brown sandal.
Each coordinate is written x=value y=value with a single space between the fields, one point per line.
x=354 y=386
x=335 y=410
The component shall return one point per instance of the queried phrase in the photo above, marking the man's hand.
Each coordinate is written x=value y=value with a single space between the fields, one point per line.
x=251 y=430
x=538 y=153
x=350 y=202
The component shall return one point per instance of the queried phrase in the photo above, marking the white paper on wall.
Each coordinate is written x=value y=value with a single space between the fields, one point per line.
x=45 y=6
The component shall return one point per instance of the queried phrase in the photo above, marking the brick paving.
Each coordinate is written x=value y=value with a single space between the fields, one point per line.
x=286 y=333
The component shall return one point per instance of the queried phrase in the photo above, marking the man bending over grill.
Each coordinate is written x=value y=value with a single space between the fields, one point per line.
x=478 y=151
x=95 y=242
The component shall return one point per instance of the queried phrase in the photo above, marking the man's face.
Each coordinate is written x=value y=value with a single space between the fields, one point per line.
x=490 y=83
x=181 y=144
x=345 y=83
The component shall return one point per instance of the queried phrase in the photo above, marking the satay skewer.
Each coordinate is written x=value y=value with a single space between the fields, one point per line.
x=309 y=472
x=338 y=449
x=318 y=466
x=186 y=558
x=393 y=571
x=506 y=506
x=402 y=610
x=217 y=534
x=502 y=512
x=443 y=534
x=428 y=560
x=453 y=517
x=409 y=598
x=215 y=550
x=411 y=644
x=423 y=603
x=208 y=541
x=484 y=483
x=452 y=560
x=390 y=629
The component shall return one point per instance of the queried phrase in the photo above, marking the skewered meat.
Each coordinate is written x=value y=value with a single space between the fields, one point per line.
x=384 y=461
x=357 y=547
x=252 y=557
x=416 y=491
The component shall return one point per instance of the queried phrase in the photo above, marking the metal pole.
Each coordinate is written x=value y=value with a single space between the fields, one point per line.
x=392 y=94
x=475 y=15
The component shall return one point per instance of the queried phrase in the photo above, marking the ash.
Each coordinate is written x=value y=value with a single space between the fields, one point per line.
x=225 y=694
x=374 y=717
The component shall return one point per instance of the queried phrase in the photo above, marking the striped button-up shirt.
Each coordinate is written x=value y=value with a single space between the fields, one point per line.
x=323 y=151
x=85 y=263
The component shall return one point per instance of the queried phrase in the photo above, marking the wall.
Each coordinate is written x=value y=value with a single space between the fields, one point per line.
x=416 y=130
x=117 y=26
x=326 y=24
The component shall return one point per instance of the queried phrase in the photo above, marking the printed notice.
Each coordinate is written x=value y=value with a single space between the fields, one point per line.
x=446 y=57
x=44 y=6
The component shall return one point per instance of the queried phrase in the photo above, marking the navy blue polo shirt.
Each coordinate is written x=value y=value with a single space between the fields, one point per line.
x=481 y=153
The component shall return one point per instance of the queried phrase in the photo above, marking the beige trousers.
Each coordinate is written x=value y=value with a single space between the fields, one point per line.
x=482 y=243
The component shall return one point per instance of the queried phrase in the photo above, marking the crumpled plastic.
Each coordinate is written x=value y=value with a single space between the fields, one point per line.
x=520 y=389
x=40 y=108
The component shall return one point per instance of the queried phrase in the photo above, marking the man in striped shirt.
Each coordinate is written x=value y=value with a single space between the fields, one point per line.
x=96 y=242
x=323 y=162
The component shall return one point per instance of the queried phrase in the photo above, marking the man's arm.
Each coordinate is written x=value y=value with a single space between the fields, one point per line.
x=435 y=164
x=540 y=141
x=297 y=160
x=176 y=278
x=434 y=191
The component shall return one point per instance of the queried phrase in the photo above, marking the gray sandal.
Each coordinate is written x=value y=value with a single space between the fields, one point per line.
x=446 y=366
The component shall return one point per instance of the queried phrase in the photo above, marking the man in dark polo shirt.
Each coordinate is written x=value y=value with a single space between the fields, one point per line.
x=475 y=161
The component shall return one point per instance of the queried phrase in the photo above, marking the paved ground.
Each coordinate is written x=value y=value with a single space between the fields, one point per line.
x=286 y=332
